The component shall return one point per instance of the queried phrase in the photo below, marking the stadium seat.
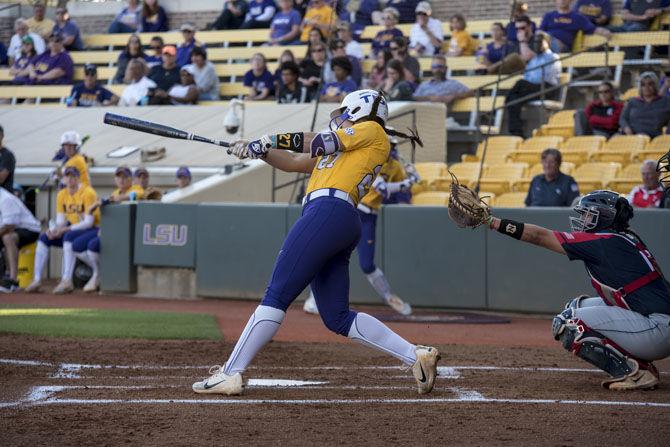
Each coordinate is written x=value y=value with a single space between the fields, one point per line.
x=37 y=93
x=497 y=149
x=474 y=108
x=431 y=198
x=655 y=149
x=620 y=148
x=488 y=197
x=578 y=149
x=228 y=90
x=429 y=172
x=94 y=57
x=595 y=60
x=623 y=186
x=555 y=105
x=630 y=93
x=511 y=200
x=647 y=39
x=499 y=178
x=530 y=150
x=561 y=123
x=631 y=172
x=592 y=176
x=466 y=173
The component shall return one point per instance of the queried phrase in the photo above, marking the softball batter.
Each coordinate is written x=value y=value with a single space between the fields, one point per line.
x=343 y=164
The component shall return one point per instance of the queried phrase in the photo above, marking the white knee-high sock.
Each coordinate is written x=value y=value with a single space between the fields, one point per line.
x=261 y=327
x=93 y=261
x=83 y=257
x=372 y=332
x=379 y=283
x=68 y=261
x=41 y=258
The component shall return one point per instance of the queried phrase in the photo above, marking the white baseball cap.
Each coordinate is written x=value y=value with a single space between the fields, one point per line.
x=424 y=7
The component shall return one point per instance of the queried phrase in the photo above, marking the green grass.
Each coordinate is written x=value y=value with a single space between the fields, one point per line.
x=103 y=323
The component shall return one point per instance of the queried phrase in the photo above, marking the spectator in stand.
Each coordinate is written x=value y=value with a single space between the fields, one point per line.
x=186 y=47
x=260 y=14
x=128 y=20
x=519 y=12
x=426 y=36
x=258 y=80
x=18 y=228
x=312 y=67
x=650 y=193
x=315 y=37
x=285 y=26
x=412 y=67
x=336 y=90
x=395 y=85
x=524 y=35
x=139 y=85
x=7 y=165
x=441 y=89
x=186 y=92
x=39 y=24
x=383 y=39
x=600 y=117
x=133 y=50
x=73 y=230
x=406 y=9
x=318 y=15
x=90 y=93
x=67 y=28
x=141 y=178
x=291 y=90
x=20 y=70
x=165 y=76
x=156 y=58
x=232 y=16
x=378 y=72
x=648 y=113
x=338 y=49
x=638 y=15
x=461 y=43
x=205 y=75
x=534 y=79
x=154 y=19
x=352 y=48
x=183 y=177
x=599 y=12
x=552 y=187
x=493 y=54
x=54 y=66
x=16 y=42
x=286 y=56
x=360 y=14
x=563 y=24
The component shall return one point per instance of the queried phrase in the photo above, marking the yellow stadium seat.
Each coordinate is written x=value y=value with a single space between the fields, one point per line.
x=592 y=176
x=631 y=172
x=465 y=170
x=630 y=93
x=35 y=92
x=429 y=172
x=530 y=150
x=655 y=149
x=621 y=148
x=499 y=178
x=497 y=149
x=561 y=123
x=94 y=57
x=511 y=200
x=233 y=89
x=488 y=197
x=431 y=198
x=623 y=186
x=589 y=143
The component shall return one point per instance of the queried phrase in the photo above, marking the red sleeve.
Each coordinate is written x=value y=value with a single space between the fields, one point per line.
x=607 y=122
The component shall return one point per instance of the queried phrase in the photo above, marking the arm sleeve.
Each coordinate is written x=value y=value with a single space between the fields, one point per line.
x=84 y=224
x=436 y=29
x=586 y=25
x=60 y=219
x=580 y=246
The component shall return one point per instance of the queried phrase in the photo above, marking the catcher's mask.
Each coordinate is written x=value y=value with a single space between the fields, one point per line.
x=663 y=168
x=601 y=210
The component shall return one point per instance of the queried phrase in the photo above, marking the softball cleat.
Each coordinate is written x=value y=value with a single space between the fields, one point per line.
x=220 y=383
x=310 y=306
x=399 y=305
x=63 y=287
x=425 y=368
x=34 y=287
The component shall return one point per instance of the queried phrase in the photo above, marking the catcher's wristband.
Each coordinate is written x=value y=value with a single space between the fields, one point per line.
x=289 y=141
x=511 y=228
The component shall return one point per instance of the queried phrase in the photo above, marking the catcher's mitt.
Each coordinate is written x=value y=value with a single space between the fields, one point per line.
x=466 y=209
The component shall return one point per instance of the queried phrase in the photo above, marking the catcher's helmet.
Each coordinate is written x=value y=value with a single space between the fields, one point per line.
x=358 y=105
x=663 y=168
x=601 y=210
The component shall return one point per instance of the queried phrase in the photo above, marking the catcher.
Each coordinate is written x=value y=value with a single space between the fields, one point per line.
x=628 y=326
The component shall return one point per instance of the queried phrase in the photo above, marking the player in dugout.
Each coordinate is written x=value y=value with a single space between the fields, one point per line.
x=72 y=230
x=392 y=178
x=343 y=163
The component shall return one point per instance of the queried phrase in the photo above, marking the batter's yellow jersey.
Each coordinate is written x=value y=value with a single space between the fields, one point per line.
x=392 y=171
x=135 y=188
x=79 y=162
x=364 y=148
x=74 y=205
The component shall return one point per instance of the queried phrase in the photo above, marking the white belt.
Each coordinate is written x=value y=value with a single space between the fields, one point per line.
x=366 y=209
x=328 y=192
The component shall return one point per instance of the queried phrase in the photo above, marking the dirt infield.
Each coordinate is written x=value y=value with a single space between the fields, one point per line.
x=493 y=389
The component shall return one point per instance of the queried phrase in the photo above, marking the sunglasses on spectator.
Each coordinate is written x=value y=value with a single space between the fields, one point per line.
x=648 y=84
x=602 y=92
x=521 y=28
x=318 y=50
x=156 y=48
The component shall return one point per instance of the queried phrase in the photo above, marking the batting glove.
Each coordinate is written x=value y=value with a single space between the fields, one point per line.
x=259 y=148
x=239 y=149
x=381 y=187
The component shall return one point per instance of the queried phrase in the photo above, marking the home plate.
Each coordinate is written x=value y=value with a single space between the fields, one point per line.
x=281 y=383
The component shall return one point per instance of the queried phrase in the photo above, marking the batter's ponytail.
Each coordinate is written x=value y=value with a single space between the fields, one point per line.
x=413 y=135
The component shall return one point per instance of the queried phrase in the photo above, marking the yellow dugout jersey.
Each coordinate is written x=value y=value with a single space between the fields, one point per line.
x=79 y=162
x=135 y=188
x=392 y=171
x=74 y=206
x=364 y=148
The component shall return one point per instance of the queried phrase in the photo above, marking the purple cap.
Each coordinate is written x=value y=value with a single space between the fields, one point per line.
x=71 y=170
x=183 y=172
x=123 y=170
x=140 y=171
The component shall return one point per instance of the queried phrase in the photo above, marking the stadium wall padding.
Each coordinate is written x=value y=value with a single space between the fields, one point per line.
x=428 y=261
